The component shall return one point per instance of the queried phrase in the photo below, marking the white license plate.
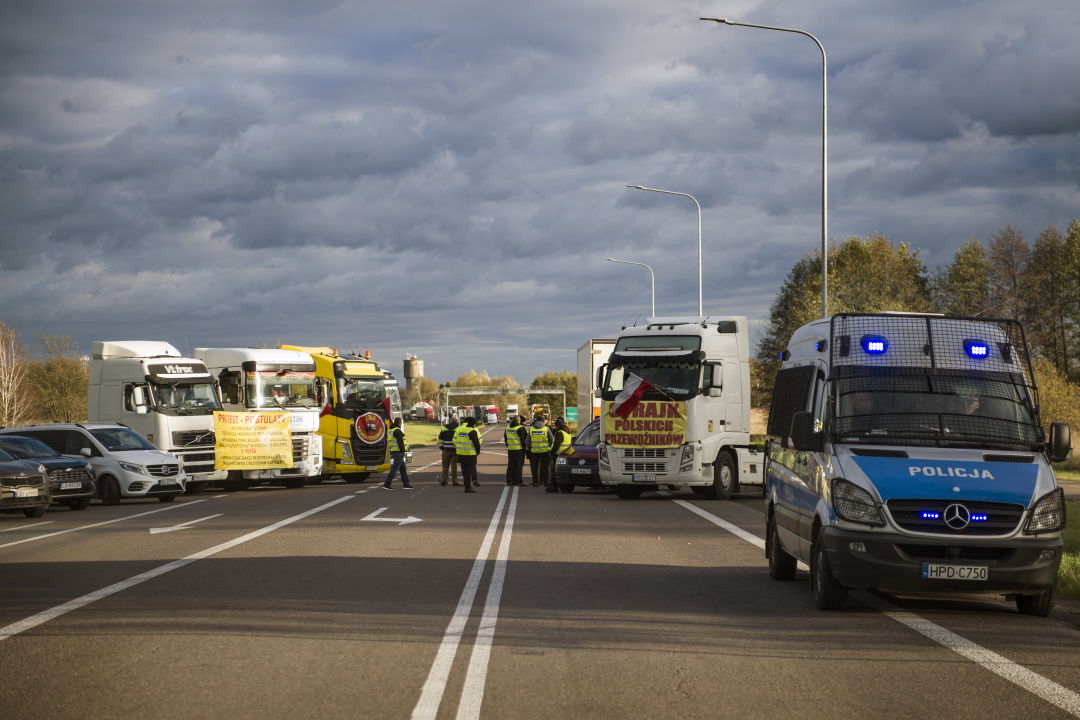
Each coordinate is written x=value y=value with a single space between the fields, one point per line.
x=580 y=471
x=643 y=477
x=371 y=468
x=71 y=486
x=940 y=571
x=26 y=492
x=167 y=481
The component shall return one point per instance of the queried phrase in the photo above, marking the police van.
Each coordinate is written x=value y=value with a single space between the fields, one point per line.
x=906 y=454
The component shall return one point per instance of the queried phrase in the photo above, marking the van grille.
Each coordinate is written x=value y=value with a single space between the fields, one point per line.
x=918 y=516
x=169 y=470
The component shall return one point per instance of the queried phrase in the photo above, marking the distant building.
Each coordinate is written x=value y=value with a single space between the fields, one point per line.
x=414 y=368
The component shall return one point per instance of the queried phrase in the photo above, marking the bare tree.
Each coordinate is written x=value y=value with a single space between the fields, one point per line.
x=14 y=403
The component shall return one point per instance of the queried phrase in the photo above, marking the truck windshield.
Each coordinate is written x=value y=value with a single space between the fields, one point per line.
x=194 y=398
x=281 y=388
x=671 y=381
x=365 y=392
x=894 y=406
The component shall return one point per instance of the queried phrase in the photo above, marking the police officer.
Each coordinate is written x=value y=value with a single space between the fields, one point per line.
x=517 y=439
x=540 y=440
x=449 y=454
x=562 y=445
x=395 y=438
x=467 y=446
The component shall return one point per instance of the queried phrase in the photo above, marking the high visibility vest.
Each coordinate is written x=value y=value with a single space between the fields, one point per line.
x=447 y=444
x=566 y=445
x=513 y=441
x=539 y=439
x=392 y=441
x=462 y=442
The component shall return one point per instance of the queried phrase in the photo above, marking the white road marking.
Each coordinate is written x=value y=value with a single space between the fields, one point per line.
x=79 y=602
x=472 y=695
x=23 y=527
x=374 y=517
x=99 y=524
x=1019 y=675
x=181 y=526
x=427 y=707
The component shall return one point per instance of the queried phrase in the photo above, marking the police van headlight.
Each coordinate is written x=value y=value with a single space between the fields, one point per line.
x=854 y=504
x=1048 y=514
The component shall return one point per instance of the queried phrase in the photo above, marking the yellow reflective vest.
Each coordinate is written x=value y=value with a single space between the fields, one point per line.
x=539 y=439
x=463 y=444
x=513 y=440
x=566 y=443
x=392 y=441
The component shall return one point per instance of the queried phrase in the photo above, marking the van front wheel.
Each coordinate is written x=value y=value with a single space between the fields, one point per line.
x=828 y=593
x=1038 y=605
x=781 y=565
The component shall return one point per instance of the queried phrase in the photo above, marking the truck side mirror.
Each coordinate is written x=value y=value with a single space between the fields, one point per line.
x=138 y=395
x=803 y=436
x=600 y=379
x=1060 y=442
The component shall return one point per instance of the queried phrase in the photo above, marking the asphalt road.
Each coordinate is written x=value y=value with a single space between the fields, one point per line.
x=329 y=602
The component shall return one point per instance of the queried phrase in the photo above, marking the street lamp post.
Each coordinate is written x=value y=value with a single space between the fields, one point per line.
x=824 y=153
x=652 y=281
x=672 y=192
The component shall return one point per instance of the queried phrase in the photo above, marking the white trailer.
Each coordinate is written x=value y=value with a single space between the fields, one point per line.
x=266 y=379
x=688 y=424
x=167 y=398
x=590 y=357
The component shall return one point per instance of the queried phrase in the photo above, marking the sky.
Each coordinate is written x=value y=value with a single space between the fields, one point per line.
x=444 y=178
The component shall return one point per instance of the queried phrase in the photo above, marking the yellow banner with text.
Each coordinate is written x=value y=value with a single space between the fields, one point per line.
x=252 y=440
x=652 y=424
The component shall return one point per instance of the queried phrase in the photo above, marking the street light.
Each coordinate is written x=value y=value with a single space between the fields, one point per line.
x=672 y=192
x=824 y=153
x=652 y=281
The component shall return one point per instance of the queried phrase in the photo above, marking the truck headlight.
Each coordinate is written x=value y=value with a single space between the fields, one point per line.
x=346 y=450
x=1048 y=514
x=687 y=460
x=601 y=453
x=854 y=504
x=132 y=467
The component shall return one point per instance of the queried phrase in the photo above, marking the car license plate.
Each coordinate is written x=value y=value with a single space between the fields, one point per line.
x=71 y=486
x=580 y=471
x=939 y=571
x=643 y=477
x=167 y=481
x=26 y=492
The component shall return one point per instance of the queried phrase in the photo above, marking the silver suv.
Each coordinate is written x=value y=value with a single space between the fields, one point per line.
x=126 y=464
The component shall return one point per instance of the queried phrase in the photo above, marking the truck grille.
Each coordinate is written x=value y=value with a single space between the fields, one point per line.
x=928 y=516
x=365 y=454
x=645 y=467
x=22 y=481
x=645 y=453
x=169 y=470
x=299 y=448
x=193 y=438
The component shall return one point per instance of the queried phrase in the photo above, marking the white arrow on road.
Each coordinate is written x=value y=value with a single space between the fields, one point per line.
x=181 y=526
x=374 y=517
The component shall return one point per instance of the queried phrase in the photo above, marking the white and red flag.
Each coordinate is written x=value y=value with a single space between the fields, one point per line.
x=633 y=390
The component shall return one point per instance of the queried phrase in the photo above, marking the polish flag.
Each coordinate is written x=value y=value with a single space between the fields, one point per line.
x=386 y=407
x=633 y=390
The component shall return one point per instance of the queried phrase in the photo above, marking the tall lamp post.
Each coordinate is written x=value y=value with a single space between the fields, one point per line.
x=652 y=281
x=824 y=153
x=672 y=192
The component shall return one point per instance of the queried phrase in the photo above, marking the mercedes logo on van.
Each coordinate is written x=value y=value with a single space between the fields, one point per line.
x=957 y=516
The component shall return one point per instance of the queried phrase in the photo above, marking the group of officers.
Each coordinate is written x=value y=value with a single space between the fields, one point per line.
x=460 y=445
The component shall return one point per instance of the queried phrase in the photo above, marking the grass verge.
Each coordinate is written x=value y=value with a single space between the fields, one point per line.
x=1069 y=572
x=421 y=434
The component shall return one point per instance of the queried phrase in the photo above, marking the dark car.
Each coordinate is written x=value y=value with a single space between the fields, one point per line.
x=580 y=469
x=71 y=480
x=22 y=486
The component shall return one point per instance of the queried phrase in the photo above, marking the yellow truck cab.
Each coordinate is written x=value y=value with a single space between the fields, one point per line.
x=353 y=418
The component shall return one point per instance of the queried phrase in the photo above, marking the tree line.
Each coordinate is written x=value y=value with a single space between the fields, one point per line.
x=52 y=387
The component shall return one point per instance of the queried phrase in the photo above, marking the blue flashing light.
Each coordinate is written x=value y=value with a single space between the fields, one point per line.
x=977 y=349
x=927 y=515
x=874 y=344
x=979 y=517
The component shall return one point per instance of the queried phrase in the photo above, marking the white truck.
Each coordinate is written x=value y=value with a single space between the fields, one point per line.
x=268 y=379
x=590 y=357
x=169 y=399
x=675 y=398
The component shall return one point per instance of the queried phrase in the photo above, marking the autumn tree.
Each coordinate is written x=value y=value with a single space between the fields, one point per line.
x=963 y=287
x=1071 y=291
x=562 y=379
x=422 y=389
x=14 y=403
x=1008 y=259
x=473 y=379
x=1047 y=298
x=59 y=381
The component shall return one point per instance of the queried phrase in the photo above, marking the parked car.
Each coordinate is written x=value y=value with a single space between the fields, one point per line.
x=581 y=469
x=126 y=464
x=22 y=486
x=71 y=480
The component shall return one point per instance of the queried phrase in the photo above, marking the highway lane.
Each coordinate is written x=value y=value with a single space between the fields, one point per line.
x=289 y=603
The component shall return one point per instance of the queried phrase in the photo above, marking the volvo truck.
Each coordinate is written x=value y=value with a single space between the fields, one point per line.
x=165 y=397
x=254 y=380
x=675 y=404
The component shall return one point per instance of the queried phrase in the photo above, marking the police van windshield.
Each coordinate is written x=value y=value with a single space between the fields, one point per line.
x=926 y=409
x=362 y=391
x=192 y=398
x=670 y=381
x=281 y=387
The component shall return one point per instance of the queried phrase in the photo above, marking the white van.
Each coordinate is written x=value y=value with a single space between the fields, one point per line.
x=126 y=464
x=906 y=454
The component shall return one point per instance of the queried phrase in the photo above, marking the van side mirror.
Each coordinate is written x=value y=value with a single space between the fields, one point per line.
x=1060 y=442
x=86 y=452
x=803 y=436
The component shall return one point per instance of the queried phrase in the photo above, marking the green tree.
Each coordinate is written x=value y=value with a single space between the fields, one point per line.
x=422 y=390
x=1047 y=297
x=1059 y=399
x=567 y=381
x=1071 y=291
x=962 y=288
x=1008 y=259
x=59 y=381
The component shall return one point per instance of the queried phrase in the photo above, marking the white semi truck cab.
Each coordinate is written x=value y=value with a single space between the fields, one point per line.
x=267 y=379
x=688 y=422
x=167 y=398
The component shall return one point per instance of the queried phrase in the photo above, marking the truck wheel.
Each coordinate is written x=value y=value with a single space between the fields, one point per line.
x=315 y=480
x=699 y=490
x=356 y=477
x=828 y=593
x=294 y=483
x=723 y=485
x=1039 y=604
x=781 y=565
x=80 y=504
x=236 y=483
x=110 y=491
x=195 y=488
x=34 y=512
x=166 y=498
x=628 y=492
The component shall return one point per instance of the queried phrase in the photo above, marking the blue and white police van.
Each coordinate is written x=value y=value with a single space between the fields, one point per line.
x=906 y=454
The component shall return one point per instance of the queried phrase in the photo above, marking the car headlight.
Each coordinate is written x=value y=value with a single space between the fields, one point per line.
x=132 y=467
x=854 y=504
x=1048 y=514
x=561 y=460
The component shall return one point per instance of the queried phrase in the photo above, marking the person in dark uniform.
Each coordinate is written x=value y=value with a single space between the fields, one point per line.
x=517 y=439
x=540 y=440
x=562 y=445
x=395 y=438
x=449 y=454
x=467 y=446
